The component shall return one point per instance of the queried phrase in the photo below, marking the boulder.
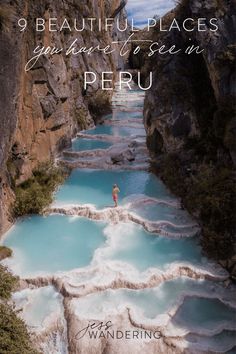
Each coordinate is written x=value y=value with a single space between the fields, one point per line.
x=129 y=155
x=117 y=158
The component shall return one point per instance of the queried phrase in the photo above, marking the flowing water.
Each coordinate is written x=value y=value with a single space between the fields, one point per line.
x=85 y=144
x=142 y=260
x=116 y=131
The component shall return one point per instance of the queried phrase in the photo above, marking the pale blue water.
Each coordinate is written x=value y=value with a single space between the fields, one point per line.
x=132 y=105
x=153 y=211
x=53 y=243
x=202 y=313
x=119 y=115
x=81 y=144
x=135 y=246
x=116 y=131
x=38 y=307
x=148 y=304
x=218 y=343
x=40 y=303
x=154 y=301
x=95 y=186
x=62 y=243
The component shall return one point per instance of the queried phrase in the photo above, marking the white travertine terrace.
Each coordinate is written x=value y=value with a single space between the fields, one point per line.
x=89 y=293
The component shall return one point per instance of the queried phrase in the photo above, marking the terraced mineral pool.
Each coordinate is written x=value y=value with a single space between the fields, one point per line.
x=128 y=101
x=220 y=343
x=116 y=131
x=61 y=243
x=94 y=187
x=125 y=114
x=40 y=309
x=202 y=314
x=131 y=244
x=148 y=304
x=153 y=211
x=53 y=243
x=80 y=144
x=38 y=304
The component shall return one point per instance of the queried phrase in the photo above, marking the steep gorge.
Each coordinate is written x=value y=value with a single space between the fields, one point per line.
x=43 y=108
x=149 y=240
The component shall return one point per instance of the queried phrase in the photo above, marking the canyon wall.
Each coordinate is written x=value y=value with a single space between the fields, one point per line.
x=191 y=92
x=43 y=108
x=190 y=118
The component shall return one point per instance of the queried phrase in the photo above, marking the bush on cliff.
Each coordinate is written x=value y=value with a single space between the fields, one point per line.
x=35 y=194
x=209 y=193
x=81 y=117
x=32 y=196
x=8 y=283
x=14 y=337
x=213 y=192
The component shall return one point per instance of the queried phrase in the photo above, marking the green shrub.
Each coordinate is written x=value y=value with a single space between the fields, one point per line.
x=14 y=337
x=213 y=192
x=8 y=283
x=209 y=193
x=36 y=193
x=171 y=173
x=81 y=117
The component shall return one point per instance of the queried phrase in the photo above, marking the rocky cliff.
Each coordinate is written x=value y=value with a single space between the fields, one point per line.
x=193 y=90
x=43 y=108
x=190 y=118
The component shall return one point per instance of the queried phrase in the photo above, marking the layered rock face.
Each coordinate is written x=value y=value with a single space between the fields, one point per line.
x=194 y=94
x=45 y=106
x=189 y=116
